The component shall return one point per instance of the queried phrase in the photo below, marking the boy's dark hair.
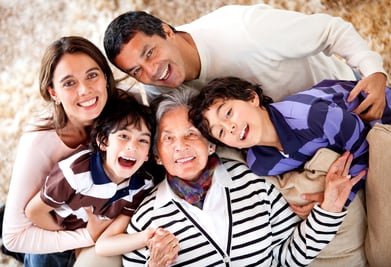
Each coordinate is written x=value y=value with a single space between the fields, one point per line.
x=123 y=28
x=222 y=88
x=118 y=113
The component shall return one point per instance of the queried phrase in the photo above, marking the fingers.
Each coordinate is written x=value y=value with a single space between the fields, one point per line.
x=374 y=112
x=341 y=165
x=354 y=93
x=357 y=178
x=163 y=247
x=372 y=107
x=314 y=197
x=303 y=211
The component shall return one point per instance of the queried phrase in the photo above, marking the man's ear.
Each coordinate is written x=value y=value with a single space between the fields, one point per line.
x=167 y=30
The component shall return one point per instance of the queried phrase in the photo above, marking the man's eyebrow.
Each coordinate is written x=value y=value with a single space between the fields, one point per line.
x=143 y=52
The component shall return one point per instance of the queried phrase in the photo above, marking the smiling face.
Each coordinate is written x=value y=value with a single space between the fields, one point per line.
x=126 y=150
x=182 y=149
x=238 y=123
x=153 y=60
x=80 y=85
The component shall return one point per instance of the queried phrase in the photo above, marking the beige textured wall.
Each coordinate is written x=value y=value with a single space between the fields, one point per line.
x=28 y=26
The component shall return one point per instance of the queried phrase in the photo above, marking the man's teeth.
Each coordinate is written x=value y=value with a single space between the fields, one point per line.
x=164 y=74
x=182 y=160
x=88 y=103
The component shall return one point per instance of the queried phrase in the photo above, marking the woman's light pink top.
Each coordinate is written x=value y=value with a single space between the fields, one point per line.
x=36 y=155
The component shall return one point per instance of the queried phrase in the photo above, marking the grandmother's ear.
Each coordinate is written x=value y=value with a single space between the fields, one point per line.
x=158 y=160
x=211 y=148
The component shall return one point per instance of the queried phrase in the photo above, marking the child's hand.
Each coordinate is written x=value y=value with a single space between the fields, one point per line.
x=338 y=183
x=96 y=226
x=163 y=247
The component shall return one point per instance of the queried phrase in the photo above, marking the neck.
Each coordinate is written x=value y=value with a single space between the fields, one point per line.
x=190 y=55
x=74 y=135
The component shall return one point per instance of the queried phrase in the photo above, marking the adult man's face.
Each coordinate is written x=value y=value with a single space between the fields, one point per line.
x=153 y=60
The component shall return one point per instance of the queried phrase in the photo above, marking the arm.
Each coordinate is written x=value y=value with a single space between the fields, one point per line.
x=115 y=241
x=39 y=214
x=302 y=244
x=332 y=36
x=37 y=153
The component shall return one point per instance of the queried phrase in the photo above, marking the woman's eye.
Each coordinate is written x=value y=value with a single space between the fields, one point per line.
x=166 y=138
x=92 y=75
x=68 y=83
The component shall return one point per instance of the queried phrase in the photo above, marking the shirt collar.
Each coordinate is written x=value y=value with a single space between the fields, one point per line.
x=97 y=171
x=289 y=141
x=164 y=194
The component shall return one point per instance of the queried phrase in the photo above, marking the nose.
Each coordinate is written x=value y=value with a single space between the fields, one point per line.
x=131 y=144
x=230 y=126
x=84 y=88
x=150 y=69
x=180 y=144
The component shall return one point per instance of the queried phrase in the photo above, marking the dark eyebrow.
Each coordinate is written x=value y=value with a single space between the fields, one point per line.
x=89 y=70
x=65 y=77
x=92 y=69
x=219 y=108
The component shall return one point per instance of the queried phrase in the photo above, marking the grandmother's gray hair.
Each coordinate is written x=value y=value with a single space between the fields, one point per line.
x=179 y=97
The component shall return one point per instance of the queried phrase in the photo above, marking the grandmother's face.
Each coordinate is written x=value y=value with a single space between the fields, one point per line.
x=182 y=149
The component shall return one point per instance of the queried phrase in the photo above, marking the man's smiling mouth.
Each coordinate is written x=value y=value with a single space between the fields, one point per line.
x=165 y=73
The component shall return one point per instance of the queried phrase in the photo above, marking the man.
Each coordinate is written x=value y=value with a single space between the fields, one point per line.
x=282 y=50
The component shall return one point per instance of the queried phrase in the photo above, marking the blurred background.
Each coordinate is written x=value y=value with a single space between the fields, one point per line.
x=28 y=26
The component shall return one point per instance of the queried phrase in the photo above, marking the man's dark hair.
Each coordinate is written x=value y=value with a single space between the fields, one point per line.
x=123 y=28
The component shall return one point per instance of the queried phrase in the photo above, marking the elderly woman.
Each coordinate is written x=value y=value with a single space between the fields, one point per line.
x=221 y=213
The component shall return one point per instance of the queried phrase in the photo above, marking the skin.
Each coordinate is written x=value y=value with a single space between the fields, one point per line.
x=80 y=86
x=126 y=150
x=184 y=153
x=170 y=62
x=229 y=123
x=163 y=245
x=128 y=143
x=227 y=119
x=157 y=61
x=182 y=149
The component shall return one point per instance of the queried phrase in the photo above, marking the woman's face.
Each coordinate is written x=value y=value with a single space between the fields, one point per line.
x=80 y=85
x=182 y=149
